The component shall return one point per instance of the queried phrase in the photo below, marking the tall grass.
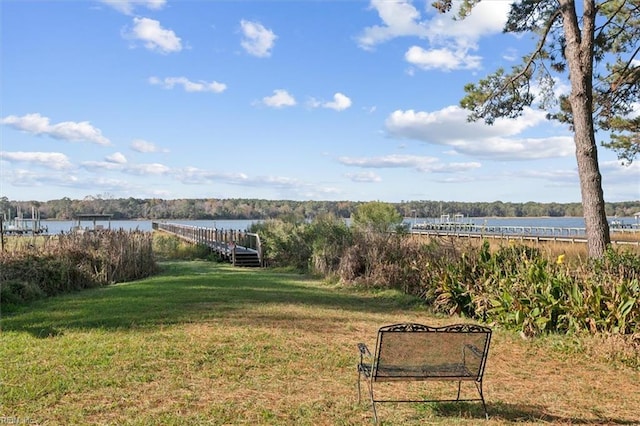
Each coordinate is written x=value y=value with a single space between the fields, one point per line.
x=69 y=262
x=171 y=247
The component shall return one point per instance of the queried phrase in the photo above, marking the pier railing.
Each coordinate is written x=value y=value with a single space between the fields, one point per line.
x=229 y=243
x=519 y=232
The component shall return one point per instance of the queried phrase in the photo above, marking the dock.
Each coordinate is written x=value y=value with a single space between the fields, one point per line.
x=238 y=247
x=531 y=233
x=21 y=225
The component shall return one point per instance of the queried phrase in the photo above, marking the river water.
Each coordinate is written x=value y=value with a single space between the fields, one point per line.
x=57 y=226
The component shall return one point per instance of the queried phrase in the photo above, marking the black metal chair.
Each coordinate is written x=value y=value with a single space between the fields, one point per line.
x=417 y=352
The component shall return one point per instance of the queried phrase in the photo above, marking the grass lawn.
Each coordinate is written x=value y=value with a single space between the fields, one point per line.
x=205 y=343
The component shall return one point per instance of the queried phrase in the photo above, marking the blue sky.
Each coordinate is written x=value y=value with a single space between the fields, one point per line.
x=301 y=100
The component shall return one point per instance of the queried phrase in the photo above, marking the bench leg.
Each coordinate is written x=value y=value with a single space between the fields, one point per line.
x=484 y=405
x=373 y=402
x=359 y=378
x=370 y=386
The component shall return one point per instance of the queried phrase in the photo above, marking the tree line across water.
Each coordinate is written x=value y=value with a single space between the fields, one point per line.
x=239 y=208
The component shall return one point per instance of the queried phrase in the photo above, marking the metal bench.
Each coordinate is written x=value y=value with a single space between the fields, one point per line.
x=416 y=352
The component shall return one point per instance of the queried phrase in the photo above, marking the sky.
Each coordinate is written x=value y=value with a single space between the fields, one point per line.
x=291 y=99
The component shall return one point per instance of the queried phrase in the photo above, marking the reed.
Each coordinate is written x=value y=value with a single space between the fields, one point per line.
x=48 y=266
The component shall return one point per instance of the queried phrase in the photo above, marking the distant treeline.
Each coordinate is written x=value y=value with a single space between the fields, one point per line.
x=212 y=209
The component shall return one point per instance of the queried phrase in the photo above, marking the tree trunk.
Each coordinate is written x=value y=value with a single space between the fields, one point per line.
x=579 y=54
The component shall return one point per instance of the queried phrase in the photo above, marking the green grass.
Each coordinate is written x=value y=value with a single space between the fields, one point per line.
x=204 y=343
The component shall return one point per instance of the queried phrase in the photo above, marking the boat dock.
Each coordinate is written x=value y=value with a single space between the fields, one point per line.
x=21 y=225
x=460 y=228
x=238 y=247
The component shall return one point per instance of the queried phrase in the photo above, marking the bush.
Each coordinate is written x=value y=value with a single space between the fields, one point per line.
x=514 y=285
x=330 y=236
x=71 y=262
x=14 y=292
x=285 y=243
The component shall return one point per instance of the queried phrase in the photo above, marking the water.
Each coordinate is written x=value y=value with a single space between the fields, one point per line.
x=57 y=226
x=550 y=222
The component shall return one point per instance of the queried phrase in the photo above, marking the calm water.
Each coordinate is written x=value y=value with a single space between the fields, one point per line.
x=56 y=226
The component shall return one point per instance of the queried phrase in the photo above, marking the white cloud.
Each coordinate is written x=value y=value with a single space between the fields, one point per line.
x=189 y=86
x=117 y=158
x=420 y=163
x=196 y=176
x=564 y=177
x=449 y=127
x=517 y=148
x=450 y=123
x=364 y=177
x=127 y=6
x=153 y=36
x=141 y=145
x=510 y=55
x=443 y=58
x=67 y=130
x=488 y=17
x=399 y=18
x=101 y=165
x=618 y=172
x=622 y=181
x=340 y=102
x=148 y=169
x=280 y=98
x=258 y=40
x=450 y=41
x=29 y=178
x=284 y=186
x=51 y=160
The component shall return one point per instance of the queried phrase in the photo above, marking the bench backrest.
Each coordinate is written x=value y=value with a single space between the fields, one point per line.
x=416 y=351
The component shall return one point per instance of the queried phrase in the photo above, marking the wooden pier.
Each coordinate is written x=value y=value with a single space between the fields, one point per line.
x=531 y=233
x=238 y=247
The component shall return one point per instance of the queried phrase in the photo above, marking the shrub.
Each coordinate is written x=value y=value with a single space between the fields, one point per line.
x=71 y=262
x=511 y=284
x=13 y=292
x=285 y=243
x=330 y=236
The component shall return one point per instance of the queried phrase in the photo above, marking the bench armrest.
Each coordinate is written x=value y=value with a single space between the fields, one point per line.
x=363 y=349
x=474 y=350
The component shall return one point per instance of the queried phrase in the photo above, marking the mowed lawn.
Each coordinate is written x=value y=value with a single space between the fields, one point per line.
x=204 y=343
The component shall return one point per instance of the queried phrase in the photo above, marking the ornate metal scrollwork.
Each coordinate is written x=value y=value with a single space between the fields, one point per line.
x=407 y=327
x=453 y=328
x=465 y=328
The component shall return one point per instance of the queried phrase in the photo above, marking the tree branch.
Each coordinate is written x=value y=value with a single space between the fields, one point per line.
x=606 y=24
x=534 y=55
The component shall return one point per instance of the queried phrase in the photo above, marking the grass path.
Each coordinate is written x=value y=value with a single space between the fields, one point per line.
x=207 y=344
